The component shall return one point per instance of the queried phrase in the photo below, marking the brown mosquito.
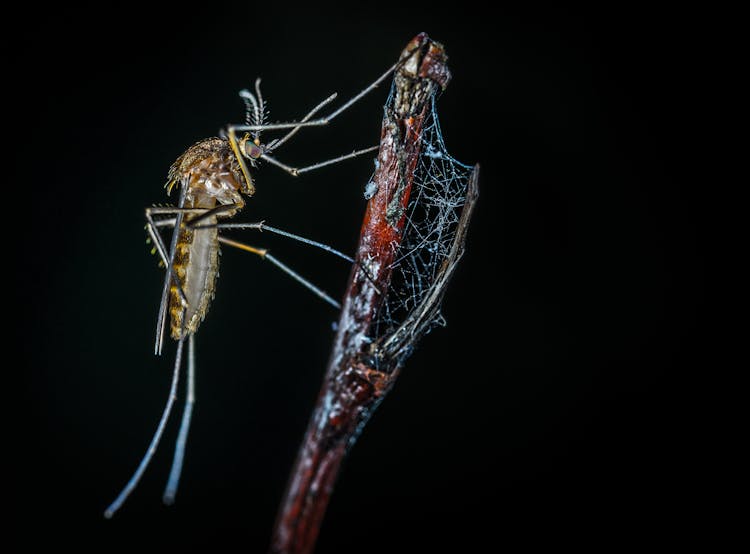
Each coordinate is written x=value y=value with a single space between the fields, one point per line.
x=214 y=178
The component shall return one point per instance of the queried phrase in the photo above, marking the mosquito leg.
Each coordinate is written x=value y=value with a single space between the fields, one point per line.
x=275 y=144
x=179 y=452
x=169 y=210
x=152 y=226
x=295 y=171
x=170 y=276
x=263 y=253
x=306 y=121
x=194 y=223
x=231 y=130
x=165 y=223
x=161 y=321
x=133 y=482
x=203 y=213
x=161 y=248
x=240 y=159
x=323 y=120
x=261 y=226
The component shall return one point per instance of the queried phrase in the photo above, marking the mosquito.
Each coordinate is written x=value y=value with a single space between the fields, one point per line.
x=213 y=178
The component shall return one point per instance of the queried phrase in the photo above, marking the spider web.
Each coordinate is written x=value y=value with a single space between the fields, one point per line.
x=438 y=193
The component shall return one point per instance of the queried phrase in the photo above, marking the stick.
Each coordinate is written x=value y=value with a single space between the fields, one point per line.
x=363 y=368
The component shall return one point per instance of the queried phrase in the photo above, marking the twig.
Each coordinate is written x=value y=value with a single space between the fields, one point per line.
x=364 y=364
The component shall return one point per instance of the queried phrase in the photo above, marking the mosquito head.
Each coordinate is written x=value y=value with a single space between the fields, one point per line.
x=251 y=148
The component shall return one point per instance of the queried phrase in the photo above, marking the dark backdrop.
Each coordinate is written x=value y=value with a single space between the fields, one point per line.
x=551 y=409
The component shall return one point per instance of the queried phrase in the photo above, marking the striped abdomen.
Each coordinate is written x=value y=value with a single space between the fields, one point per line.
x=196 y=264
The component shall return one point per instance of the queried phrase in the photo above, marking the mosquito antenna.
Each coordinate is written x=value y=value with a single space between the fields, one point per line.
x=262 y=113
x=251 y=108
x=118 y=502
x=255 y=108
x=179 y=452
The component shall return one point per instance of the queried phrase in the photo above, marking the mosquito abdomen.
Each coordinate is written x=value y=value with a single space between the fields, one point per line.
x=196 y=265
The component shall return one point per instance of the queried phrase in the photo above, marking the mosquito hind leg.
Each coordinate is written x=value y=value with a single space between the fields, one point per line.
x=179 y=452
x=134 y=480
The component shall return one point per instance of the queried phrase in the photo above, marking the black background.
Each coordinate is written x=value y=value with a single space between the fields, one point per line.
x=552 y=410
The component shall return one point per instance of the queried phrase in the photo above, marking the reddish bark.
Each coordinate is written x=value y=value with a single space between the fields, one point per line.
x=357 y=378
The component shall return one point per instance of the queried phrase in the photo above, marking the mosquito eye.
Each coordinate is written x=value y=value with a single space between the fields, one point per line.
x=252 y=150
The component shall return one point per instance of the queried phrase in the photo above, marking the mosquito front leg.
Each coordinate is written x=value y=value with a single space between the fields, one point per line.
x=296 y=171
x=241 y=159
x=323 y=120
x=277 y=143
x=254 y=150
x=262 y=151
